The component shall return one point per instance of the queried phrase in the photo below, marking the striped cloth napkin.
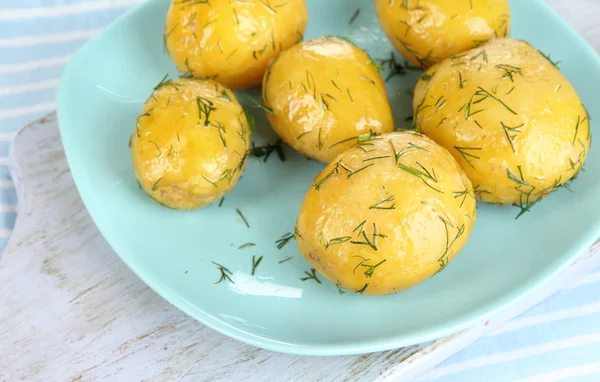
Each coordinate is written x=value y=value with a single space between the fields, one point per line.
x=557 y=340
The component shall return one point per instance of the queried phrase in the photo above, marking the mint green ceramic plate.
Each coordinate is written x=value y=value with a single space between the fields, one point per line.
x=102 y=91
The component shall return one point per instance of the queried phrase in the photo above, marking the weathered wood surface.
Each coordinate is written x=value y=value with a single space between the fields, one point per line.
x=71 y=310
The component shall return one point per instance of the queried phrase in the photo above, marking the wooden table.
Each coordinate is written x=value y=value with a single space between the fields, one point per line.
x=71 y=310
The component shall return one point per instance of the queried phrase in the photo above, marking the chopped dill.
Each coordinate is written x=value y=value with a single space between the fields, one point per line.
x=284 y=240
x=311 y=276
x=255 y=263
x=354 y=16
x=155 y=185
x=242 y=216
x=225 y=273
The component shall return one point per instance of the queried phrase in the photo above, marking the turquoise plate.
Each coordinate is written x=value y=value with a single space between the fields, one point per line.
x=103 y=89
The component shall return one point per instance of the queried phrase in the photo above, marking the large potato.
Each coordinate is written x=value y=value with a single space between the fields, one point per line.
x=191 y=143
x=386 y=215
x=428 y=31
x=510 y=118
x=232 y=41
x=326 y=95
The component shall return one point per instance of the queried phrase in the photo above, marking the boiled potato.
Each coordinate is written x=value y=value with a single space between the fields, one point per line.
x=191 y=143
x=232 y=41
x=386 y=214
x=428 y=31
x=510 y=118
x=326 y=95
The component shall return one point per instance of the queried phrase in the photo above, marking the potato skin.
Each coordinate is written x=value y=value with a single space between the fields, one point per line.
x=186 y=158
x=326 y=95
x=416 y=223
x=511 y=119
x=233 y=42
x=428 y=31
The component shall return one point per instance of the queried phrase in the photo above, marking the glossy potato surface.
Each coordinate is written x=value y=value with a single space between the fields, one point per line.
x=191 y=143
x=511 y=119
x=386 y=215
x=326 y=95
x=428 y=31
x=232 y=41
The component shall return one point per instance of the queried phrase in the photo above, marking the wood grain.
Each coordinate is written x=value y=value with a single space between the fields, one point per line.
x=73 y=311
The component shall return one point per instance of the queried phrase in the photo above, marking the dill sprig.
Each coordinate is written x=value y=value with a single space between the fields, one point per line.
x=464 y=152
x=339 y=288
x=157 y=148
x=311 y=276
x=395 y=67
x=284 y=240
x=371 y=268
x=547 y=57
x=242 y=216
x=284 y=260
x=510 y=133
x=443 y=260
x=225 y=273
x=155 y=185
x=205 y=108
x=361 y=232
x=354 y=16
x=165 y=81
x=265 y=151
x=358 y=138
x=321 y=182
x=425 y=62
x=526 y=199
x=255 y=263
x=520 y=180
x=337 y=240
x=422 y=174
x=363 y=289
x=482 y=54
x=509 y=71
x=462 y=194
x=384 y=204
x=259 y=105
x=247 y=245
x=351 y=174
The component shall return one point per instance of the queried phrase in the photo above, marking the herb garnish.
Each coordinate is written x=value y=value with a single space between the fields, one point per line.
x=225 y=273
x=242 y=216
x=284 y=240
x=311 y=276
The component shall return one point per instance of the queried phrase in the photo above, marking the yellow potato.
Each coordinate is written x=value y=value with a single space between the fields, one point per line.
x=191 y=143
x=386 y=214
x=511 y=119
x=428 y=31
x=326 y=95
x=232 y=41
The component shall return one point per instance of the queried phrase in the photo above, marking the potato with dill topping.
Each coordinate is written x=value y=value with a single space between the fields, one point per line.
x=386 y=214
x=428 y=31
x=510 y=118
x=326 y=95
x=191 y=143
x=232 y=41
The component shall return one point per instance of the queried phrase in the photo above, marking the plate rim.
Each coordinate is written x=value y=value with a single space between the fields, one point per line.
x=402 y=340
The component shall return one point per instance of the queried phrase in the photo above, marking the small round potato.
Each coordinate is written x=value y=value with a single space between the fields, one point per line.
x=232 y=41
x=191 y=143
x=326 y=95
x=428 y=31
x=386 y=214
x=511 y=119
